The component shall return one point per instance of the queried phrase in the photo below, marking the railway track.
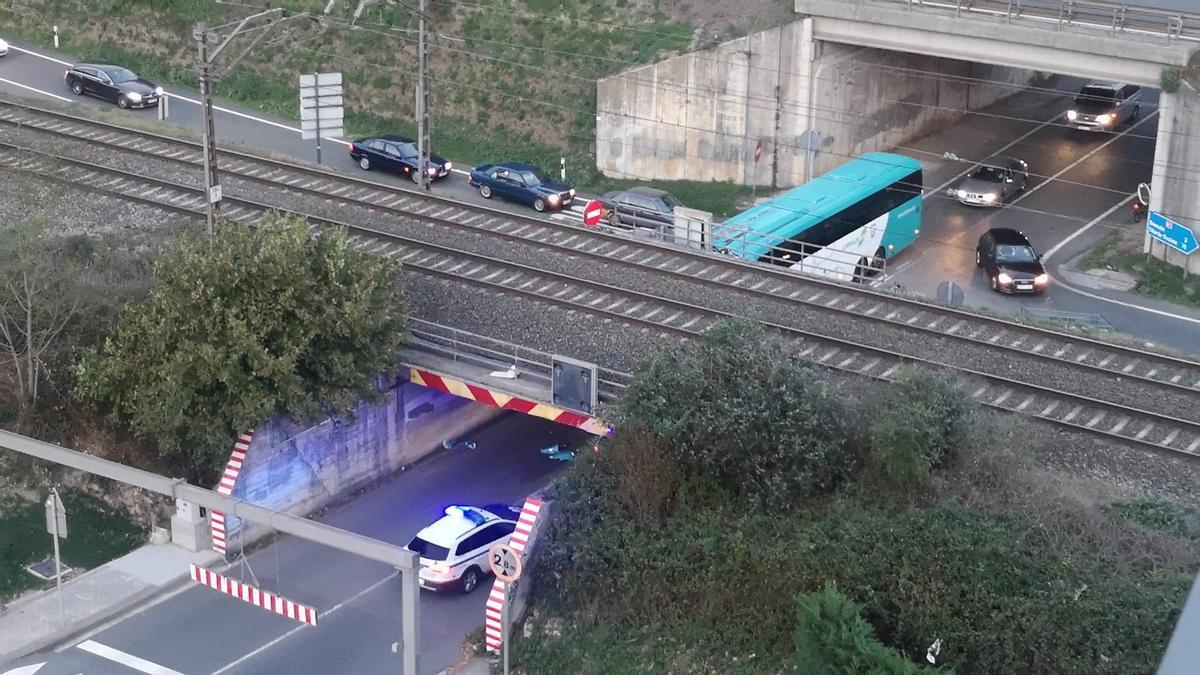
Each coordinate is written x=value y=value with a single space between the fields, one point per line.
x=1081 y=411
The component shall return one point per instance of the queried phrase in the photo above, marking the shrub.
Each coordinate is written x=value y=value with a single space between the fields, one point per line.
x=832 y=638
x=738 y=408
x=920 y=424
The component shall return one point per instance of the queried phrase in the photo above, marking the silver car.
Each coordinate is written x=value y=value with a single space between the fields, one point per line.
x=993 y=183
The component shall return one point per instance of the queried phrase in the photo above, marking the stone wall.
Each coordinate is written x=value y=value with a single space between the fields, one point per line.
x=301 y=470
x=1174 y=187
x=699 y=116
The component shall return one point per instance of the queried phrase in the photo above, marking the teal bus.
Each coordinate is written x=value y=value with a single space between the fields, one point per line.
x=842 y=224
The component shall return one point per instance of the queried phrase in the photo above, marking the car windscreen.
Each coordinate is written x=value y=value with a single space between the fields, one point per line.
x=1095 y=96
x=1015 y=254
x=428 y=550
x=120 y=75
x=988 y=173
x=534 y=178
x=671 y=202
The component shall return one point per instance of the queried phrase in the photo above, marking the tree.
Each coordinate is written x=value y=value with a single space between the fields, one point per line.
x=37 y=301
x=252 y=324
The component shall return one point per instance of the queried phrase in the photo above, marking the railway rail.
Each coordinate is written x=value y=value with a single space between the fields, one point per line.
x=1072 y=409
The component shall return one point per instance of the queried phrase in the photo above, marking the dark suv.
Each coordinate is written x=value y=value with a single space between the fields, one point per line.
x=1011 y=264
x=1102 y=106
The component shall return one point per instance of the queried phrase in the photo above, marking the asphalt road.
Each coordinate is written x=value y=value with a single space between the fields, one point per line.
x=202 y=631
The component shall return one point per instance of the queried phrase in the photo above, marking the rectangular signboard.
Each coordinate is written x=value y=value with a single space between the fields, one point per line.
x=1177 y=236
x=322 y=102
x=320 y=79
x=332 y=114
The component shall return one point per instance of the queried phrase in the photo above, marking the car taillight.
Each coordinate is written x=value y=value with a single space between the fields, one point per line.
x=439 y=568
x=66 y=74
x=350 y=146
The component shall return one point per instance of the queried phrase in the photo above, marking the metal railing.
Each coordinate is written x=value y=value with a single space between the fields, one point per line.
x=1111 y=17
x=480 y=350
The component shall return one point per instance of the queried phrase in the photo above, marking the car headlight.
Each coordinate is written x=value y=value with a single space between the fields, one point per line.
x=432 y=171
x=962 y=194
x=571 y=192
x=1004 y=278
x=1104 y=119
x=989 y=197
x=449 y=166
x=158 y=91
x=133 y=96
x=553 y=199
x=1071 y=115
x=1041 y=279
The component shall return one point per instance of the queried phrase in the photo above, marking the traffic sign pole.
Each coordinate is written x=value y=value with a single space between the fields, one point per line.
x=56 y=521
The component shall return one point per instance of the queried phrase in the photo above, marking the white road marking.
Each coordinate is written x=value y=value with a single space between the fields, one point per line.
x=1085 y=228
x=41 y=56
x=26 y=670
x=1128 y=305
x=324 y=616
x=129 y=660
x=941 y=188
x=44 y=93
x=1083 y=159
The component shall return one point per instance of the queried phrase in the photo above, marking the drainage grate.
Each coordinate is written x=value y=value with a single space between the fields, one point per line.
x=44 y=570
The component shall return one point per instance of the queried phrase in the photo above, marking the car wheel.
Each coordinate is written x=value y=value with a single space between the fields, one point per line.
x=1137 y=109
x=995 y=284
x=614 y=220
x=416 y=177
x=364 y=163
x=122 y=102
x=470 y=579
x=77 y=88
x=485 y=191
x=539 y=205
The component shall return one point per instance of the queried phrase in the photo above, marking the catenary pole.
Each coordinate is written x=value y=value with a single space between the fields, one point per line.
x=423 y=96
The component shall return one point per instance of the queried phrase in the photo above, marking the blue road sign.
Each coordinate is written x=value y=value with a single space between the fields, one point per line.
x=1179 y=237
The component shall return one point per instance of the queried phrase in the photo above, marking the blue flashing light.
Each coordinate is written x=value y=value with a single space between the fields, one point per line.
x=465 y=512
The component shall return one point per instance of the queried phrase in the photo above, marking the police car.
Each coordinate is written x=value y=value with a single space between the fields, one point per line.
x=454 y=549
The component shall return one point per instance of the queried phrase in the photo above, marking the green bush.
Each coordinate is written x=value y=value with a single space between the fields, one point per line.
x=740 y=410
x=832 y=638
x=921 y=421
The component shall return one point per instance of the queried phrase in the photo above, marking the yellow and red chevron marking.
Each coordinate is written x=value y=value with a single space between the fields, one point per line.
x=500 y=399
x=228 y=479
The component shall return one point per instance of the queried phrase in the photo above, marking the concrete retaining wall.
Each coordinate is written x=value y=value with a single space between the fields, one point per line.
x=301 y=470
x=698 y=116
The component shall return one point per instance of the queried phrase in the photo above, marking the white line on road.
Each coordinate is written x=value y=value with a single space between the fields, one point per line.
x=301 y=627
x=41 y=56
x=1085 y=228
x=118 y=656
x=44 y=93
x=1083 y=159
x=1130 y=305
x=941 y=188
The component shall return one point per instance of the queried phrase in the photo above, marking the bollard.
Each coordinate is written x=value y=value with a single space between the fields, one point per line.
x=162 y=106
x=56 y=36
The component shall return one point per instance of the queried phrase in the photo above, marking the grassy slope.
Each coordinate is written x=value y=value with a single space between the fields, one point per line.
x=1156 y=278
x=95 y=536
x=511 y=80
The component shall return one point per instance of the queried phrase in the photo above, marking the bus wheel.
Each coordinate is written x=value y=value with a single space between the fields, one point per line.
x=879 y=261
x=862 y=271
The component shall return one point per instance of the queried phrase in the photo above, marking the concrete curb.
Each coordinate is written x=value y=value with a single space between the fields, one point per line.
x=78 y=628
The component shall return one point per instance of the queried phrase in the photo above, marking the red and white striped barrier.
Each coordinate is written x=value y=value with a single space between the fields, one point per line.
x=258 y=598
x=493 y=616
x=232 y=468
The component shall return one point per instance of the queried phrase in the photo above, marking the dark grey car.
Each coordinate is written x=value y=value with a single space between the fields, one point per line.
x=119 y=85
x=640 y=207
x=1102 y=106
x=993 y=183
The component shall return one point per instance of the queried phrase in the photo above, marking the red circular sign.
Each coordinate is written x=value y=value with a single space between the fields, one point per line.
x=593 y=212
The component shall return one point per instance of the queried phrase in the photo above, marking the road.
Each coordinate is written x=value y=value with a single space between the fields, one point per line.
x=202 y=631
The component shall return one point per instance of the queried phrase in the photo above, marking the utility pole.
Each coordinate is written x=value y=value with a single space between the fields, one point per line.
x=423 y=96
x=212 y=188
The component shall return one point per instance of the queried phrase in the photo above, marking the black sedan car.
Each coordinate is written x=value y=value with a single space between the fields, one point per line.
x=1011 y=264
x=114 y=83
x=396 y=154
x=993 y=183
x=640 y=207
x=522 y=183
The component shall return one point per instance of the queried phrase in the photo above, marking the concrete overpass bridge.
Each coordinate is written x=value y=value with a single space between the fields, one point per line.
x=1088 y=38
